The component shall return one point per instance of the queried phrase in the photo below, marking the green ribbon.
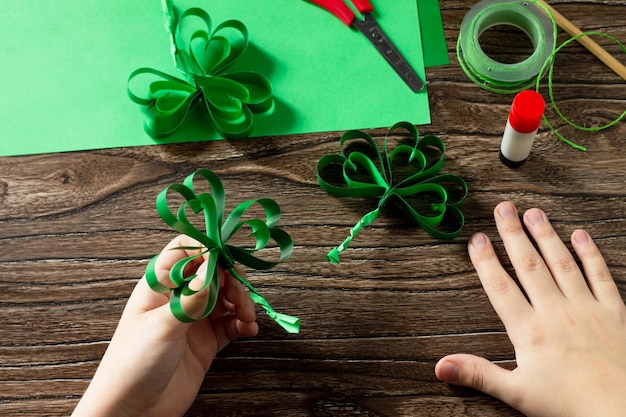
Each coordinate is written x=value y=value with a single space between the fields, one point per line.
x=203 y=56
x=213 y=240
x=550 y=65
x=370 y=175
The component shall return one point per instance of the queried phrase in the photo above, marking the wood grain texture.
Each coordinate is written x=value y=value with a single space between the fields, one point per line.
x=77 y=229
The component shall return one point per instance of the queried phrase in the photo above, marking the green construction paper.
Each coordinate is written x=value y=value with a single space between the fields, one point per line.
x=371 y=174
x=433 y=36
x=66 y=64
x=339 y=79
x=213 y=240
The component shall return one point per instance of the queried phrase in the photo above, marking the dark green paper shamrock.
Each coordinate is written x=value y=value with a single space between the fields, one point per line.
x=214 y=246
x=203 y=57
x=363 y=176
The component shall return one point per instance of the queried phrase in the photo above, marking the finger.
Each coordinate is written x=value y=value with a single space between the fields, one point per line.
x=557 y=257
x=245 y=311
x=193 y=306
x=143 y=298
x=599 y=278
x=504 y=294
x=228 y=289
x=228 y=328
x=477 y=373
x=237 y=299
x=169 y=256
x=233 y=289
x=530 y=268
x=222 y=307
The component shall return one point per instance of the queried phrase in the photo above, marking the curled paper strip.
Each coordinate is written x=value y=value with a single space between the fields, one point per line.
x=421 y=191
x=214 y=244
x=203 y=56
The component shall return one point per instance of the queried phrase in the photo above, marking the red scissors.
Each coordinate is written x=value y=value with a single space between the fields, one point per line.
x=375 y=34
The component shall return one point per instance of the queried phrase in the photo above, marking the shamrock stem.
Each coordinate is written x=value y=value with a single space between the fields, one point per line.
x=333 y=255
x=231 y=270
x=290 y=323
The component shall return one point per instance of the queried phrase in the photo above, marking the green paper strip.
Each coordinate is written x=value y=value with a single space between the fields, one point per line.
x=203 y=56
x=213 y=239
x=366 y=176
x=435 y=48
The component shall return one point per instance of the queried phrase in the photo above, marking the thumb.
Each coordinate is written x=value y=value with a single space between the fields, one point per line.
x=474 y=372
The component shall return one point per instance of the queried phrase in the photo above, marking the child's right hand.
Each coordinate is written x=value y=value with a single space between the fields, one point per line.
x=569 y=335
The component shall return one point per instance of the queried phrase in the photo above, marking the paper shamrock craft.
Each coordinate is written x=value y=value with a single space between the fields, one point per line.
x=431 y=199
x=203 y=56
x=214 y=246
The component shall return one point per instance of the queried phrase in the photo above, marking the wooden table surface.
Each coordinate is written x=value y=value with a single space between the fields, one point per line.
x=77 y=229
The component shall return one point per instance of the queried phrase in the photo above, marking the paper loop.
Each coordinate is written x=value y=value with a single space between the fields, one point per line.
x=214 y=237
x=370 y=174
x=203 y=56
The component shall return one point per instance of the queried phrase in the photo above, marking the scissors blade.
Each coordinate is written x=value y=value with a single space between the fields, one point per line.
x=387 y=49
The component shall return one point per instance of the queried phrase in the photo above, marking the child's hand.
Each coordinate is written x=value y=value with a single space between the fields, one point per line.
x=155 y=364
x=569 y=336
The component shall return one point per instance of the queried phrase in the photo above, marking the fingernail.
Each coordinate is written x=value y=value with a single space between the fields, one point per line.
x=535 y=216
x=201 y=272
x=581 y=237
x=506 y=210
x=449 y=372
x=478 y=241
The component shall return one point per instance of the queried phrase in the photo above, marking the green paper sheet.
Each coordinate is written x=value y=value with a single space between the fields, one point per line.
x=65 y=64
x=433 y=37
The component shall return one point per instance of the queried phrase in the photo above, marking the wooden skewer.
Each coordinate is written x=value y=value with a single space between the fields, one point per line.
x=587 y=42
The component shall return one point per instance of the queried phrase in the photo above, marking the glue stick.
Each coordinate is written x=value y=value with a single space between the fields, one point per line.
x=521 y=128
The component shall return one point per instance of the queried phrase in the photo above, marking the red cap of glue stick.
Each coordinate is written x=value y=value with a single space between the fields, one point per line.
x=526 y=111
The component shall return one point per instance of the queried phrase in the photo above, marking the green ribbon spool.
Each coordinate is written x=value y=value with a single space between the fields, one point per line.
x=203 y=56
x=493 y=75
x=214 y=245
x=365 y=176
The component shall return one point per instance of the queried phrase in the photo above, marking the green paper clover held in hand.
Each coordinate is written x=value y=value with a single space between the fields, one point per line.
x=420 y=189
x=203 y=56
x=214 y=240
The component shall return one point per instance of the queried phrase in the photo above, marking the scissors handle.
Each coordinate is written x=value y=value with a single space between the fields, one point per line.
x=342 y=11
x=363 y=6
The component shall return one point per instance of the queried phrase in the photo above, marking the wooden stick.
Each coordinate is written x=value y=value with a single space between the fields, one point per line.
x=587 y=42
